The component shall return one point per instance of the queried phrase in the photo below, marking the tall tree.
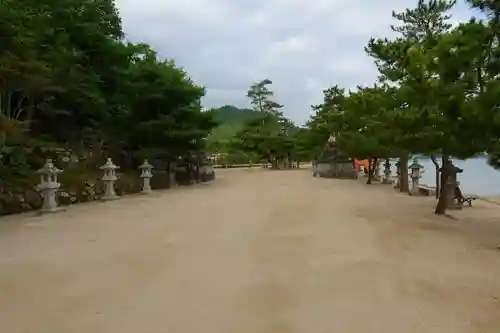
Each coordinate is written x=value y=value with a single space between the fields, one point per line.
x=261 y=97
x=486 y=35
x=67 y=77
x=406 y=62
x=325 y=120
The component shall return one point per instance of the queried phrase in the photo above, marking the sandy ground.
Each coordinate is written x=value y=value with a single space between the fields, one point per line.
x=257 y=251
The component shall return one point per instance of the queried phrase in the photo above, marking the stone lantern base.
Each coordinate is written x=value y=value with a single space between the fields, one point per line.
x=44 y=211
x=105 y=198
x=415 y=187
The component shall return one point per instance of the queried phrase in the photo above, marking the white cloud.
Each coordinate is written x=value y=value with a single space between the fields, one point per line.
x=303 y=46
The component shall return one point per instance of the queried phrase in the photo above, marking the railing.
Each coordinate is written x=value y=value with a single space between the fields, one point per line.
x=246 y=165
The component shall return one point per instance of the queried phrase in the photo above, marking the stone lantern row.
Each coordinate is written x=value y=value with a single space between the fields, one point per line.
x=49 y=184
x=416 y=171
x=386 y=178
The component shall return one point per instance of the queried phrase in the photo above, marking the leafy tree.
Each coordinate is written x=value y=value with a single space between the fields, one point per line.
x=325 y=120
x=270 y=136
x=363 y=130
x=302 y=149
x=436 y=93
x=23 y=71
x=67 y=78
x=409 y=61
x=262 y=136
x=483 y=42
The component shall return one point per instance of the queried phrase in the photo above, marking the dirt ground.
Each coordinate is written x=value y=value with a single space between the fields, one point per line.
x=257 y=251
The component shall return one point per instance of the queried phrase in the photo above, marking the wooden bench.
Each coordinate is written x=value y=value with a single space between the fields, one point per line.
x=461 y=199
x=469 y=200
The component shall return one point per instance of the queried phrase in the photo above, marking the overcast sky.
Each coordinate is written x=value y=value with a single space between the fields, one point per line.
x=303 y=46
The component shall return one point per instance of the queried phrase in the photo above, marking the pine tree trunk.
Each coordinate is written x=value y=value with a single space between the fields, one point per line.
x=446 y=189
x=404 y=187
x=372 y=162
x=438 y=174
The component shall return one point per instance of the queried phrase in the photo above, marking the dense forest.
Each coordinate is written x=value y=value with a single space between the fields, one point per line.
x=70 y=80
x=73 y=89
x=436 y=94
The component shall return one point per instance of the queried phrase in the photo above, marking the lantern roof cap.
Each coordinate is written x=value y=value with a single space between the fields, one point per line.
x=109 y=165
x=415 y=164
x=48 y=168
x=146 y=165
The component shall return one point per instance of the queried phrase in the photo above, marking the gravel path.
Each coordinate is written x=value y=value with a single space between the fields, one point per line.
x=257 y=251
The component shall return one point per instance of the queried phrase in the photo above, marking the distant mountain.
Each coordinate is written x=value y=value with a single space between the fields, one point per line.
x=231 y=120
x=228 y=114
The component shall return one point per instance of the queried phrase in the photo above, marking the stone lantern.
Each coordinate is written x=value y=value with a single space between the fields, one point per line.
x=398 y=174
x=146 y=176
x=387 y=172
x=416 y=170
x=49 y=187
x=109 y=178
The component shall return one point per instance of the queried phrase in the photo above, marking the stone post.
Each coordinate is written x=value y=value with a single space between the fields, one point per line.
x=172 y=176
x=398 y=174
x=49 y=187
x=453 y=183
x=146 y=176
x=387 y=172
x=376 y=175
x=109 y=178
x=416 y=173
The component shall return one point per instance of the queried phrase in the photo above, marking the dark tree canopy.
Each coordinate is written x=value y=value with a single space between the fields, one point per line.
x=437 y=92
x=68 y=78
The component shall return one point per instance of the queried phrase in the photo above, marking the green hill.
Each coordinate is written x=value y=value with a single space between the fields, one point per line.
x=231 y=120
x=230 y=114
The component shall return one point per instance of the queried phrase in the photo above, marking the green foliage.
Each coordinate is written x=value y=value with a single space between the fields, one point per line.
x=260 y=134
x=261 y=98
x=437 y=93
x=428 y=19
x=231 y=114
x=271 y=136
x=222 y=138
x=273 y=139
x=68 y=77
